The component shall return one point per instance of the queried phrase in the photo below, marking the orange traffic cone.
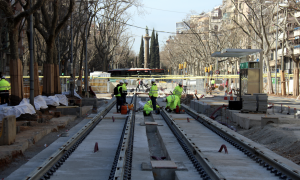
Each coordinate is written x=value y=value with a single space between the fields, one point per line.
x=225 y=97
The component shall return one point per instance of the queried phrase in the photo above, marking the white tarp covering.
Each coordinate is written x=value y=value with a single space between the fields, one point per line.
x=23 y=108
x=75 y=94
x=62 y=99
x=39 y=102
x=51 y=100
x=141 y=104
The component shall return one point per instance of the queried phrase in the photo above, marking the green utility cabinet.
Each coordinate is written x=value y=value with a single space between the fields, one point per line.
x=249 y=77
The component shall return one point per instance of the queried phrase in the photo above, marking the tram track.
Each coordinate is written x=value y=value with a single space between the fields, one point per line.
x=274 y=166
x=48 y=168
x=199 y=138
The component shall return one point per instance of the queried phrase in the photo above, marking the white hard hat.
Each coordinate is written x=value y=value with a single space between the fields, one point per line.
x=180 y=83
x=164 y=99
x=153 y=80
x=121 y=81
x=3 y=77
x=126 y=81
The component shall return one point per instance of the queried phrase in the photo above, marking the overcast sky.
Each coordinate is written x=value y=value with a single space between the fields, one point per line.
x=162 y=15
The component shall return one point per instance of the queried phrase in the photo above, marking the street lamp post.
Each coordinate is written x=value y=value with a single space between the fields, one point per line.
x=276 y=53
x=31 y=59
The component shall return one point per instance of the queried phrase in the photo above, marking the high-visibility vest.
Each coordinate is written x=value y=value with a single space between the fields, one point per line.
x=124 y=88
x=171 y=99
x=177 y=91
x=119 y=93
x=153 y=90
x=4 y=85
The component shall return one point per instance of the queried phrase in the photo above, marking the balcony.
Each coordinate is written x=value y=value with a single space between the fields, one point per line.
x=296 y=51
x=272 y=63
x=297 y=32
x=279 y=52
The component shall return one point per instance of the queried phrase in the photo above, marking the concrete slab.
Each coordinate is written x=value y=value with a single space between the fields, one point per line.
x=163 y=165
x=37 y=160
x=174 y=150
x=141 y=152
x=228 y=165
x=84 y=163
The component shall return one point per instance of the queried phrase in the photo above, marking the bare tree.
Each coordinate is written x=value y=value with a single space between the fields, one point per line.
x=13 y=23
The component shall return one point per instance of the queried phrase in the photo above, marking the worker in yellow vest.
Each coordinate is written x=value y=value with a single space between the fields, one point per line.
x=124 y=91
x=153 y=93
x=177 y=92
x=119 y=96
x=172 y=102
x=4 y=90
x=148 y=108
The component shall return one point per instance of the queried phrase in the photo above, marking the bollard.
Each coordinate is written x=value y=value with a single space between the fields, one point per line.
x=288 y=110
x=295 y=113
x=273 y=108
x=281 y=109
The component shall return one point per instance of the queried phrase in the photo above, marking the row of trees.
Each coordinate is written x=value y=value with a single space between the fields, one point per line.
x=154 y=59
x=252 y=25
x=103 y=23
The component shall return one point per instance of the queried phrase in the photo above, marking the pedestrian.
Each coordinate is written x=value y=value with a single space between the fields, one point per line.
x=137 y=85
x=232 y=86
x=153 y=93
x=148 y=108
x=124 y=91
x=141 y=83
x=172 y=102
x=4 y=90
x=119 y=97
x=178 y=91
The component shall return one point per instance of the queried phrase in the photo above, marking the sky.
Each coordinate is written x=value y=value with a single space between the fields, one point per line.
x=162 y=15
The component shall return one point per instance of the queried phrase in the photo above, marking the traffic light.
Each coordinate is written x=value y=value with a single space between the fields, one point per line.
x=210 y=67
x=206 y=70
x=62 y=74
x=184 y=66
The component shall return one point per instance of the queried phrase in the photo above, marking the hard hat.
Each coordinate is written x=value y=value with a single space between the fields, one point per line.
x=164 y=99
x=180 y=83
x=153 y=80
x=126 y=81
x=3 y=77
x=121 y=81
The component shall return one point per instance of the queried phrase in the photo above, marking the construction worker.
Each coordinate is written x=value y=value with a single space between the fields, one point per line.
x=153 y=93
x=124 y=91
x=213 y=83
x=4 y=90
x=119 y=96
x=148 y=108
x=172 y=102
x=177 y=92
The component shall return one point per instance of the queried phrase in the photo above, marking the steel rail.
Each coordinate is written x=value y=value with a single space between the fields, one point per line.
x=50 y=165
x=119 y=169
x=279 y=169
x=200 y=162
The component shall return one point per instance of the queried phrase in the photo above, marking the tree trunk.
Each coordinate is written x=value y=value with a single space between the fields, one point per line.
x=269 y=78
x=16 y=70
x=296 y=80
x=57 y=84
x=48 y=80
x=282 y=79
x=36 y=80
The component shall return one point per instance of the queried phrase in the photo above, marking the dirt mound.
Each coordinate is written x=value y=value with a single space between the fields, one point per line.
x=282 y=142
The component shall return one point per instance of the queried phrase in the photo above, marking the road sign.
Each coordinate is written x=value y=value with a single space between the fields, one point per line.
x=217 y=72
